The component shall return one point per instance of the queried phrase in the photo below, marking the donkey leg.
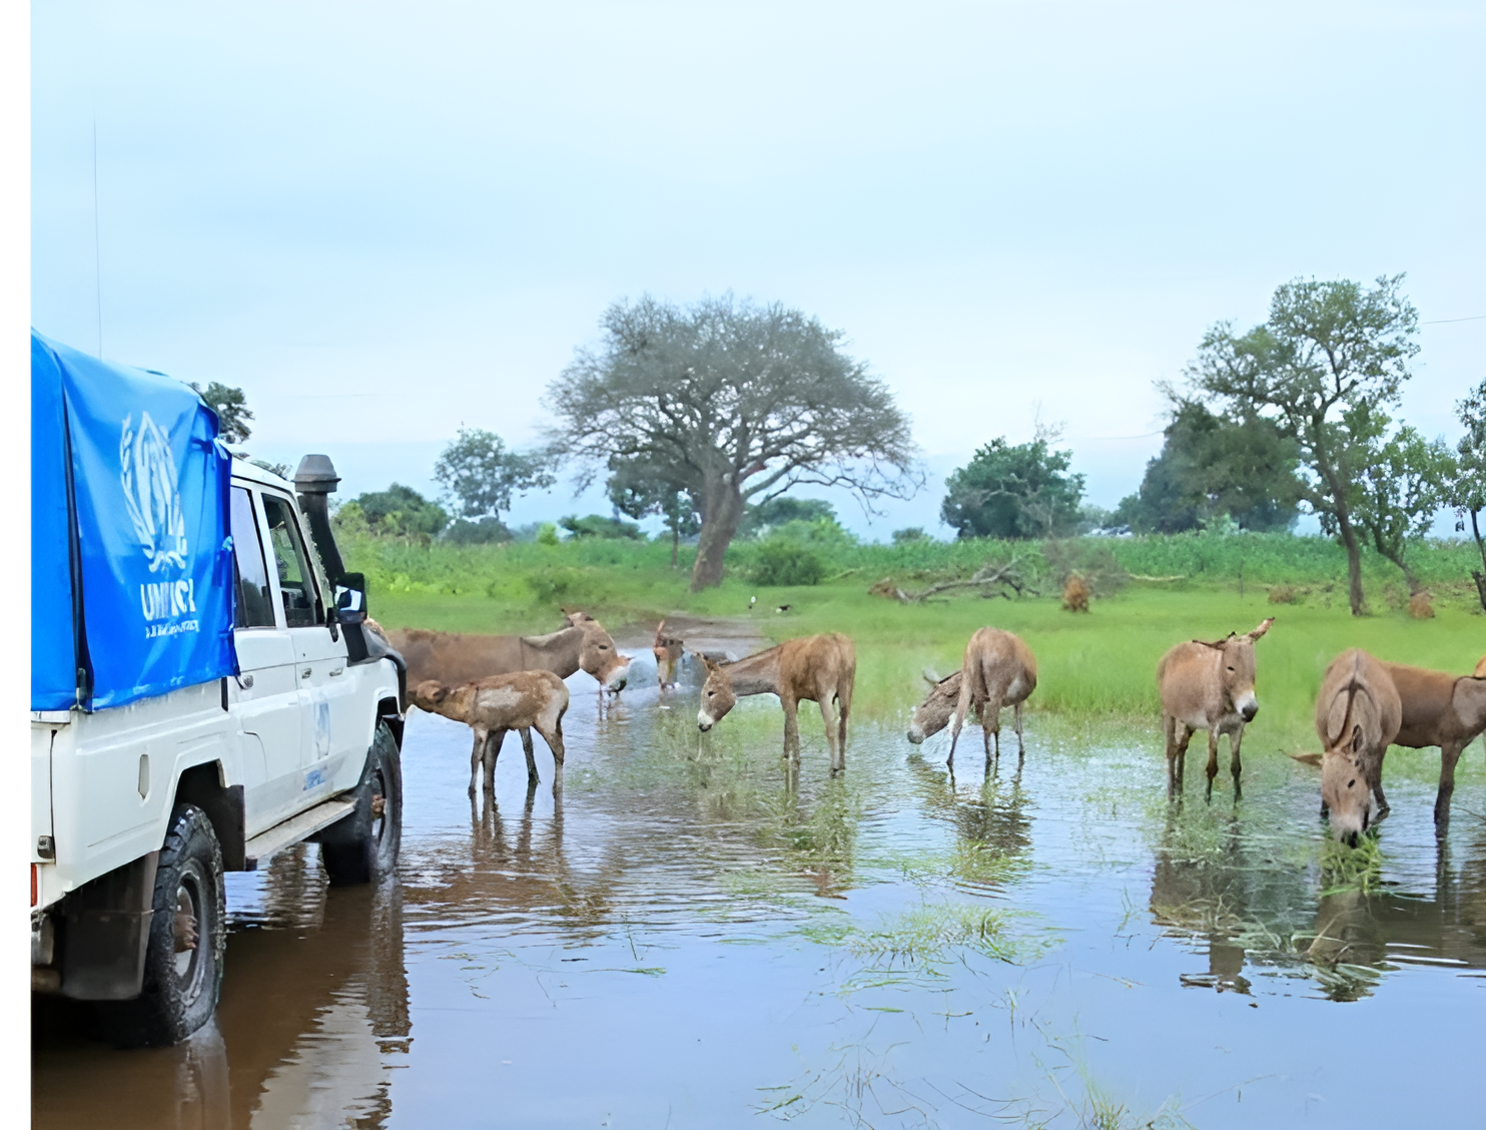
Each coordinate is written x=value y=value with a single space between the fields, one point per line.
x=1212 y=759
x=962 y=708
x=843 y=708
x=1377 y=787
x=791 y=727
x=1168 y=727
x=1449 y=755
x=477 y=755
x=1021 y=744
x=1235 y=743
x=1183 y=740
x=531 y=758
x=492 y=754
x=830 y=724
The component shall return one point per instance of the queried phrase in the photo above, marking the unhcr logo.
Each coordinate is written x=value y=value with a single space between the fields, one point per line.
x=152 y=492
x=148 y=474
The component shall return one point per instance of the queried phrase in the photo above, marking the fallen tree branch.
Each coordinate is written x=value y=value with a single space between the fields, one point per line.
x=987 y=575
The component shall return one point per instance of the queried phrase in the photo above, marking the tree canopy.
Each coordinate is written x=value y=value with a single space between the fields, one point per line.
x=1323 y=368
x=402 y=510
x=1212 y=465
x=738 y=403
x=1401 y=488
x=479 y=474
x=231 y=407
x=639 y=487
x=1465 y=486
x=776 y=512
x=1014 y=491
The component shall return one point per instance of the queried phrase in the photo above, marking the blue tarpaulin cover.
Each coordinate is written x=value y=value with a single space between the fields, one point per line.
x=141 y=599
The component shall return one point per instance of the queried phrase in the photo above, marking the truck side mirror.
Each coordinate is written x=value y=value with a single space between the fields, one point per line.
x=350 y=605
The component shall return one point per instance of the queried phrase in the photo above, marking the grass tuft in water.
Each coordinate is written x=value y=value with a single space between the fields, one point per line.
x=930 y=935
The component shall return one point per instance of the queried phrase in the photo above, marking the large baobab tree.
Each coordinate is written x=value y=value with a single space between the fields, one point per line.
x=738 y=403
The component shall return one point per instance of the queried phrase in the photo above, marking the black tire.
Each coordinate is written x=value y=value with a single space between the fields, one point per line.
x=362 y=848
x=181 y=985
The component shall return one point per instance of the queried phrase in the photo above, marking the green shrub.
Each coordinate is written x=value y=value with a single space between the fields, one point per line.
x=483 y=532
x=784 y=561
x=598 y=526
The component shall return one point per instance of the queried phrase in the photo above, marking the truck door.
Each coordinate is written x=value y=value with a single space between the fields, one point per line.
x=334 y=736
x=265 y=695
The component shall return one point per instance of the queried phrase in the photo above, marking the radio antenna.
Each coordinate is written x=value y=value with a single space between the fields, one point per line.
x=97 y=258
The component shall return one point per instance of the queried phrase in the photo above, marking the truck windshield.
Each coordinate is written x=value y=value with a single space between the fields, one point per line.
x=298 y=589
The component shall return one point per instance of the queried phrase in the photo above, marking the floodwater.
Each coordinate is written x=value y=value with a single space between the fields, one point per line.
x=681 y=938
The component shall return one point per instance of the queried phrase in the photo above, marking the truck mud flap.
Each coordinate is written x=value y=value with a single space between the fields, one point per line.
x=106 y=927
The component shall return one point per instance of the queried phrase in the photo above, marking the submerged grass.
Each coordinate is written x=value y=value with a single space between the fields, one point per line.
x=929 y=935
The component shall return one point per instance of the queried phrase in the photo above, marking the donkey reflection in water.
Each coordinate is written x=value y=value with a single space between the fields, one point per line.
x=1207 y=686
x=815 y=668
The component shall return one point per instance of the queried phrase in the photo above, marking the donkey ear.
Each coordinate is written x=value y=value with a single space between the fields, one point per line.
x=1218 y=646
x=1261 y=629
x=1312 y=759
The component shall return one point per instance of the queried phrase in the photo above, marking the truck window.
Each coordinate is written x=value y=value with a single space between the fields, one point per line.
x=254 y=601
x=295 y=584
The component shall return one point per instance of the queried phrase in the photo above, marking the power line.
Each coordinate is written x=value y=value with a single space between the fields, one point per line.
x=97 y=259
x=1443 y=321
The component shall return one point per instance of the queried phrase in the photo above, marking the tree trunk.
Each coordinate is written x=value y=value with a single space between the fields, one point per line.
x=1479 y=578
x=1348 y=535
x=724 y=511
x=675 y=543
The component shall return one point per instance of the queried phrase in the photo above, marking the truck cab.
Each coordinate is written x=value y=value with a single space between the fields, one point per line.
x=142 y=799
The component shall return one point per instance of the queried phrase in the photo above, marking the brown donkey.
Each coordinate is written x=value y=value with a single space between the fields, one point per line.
x=998 y=670
x=523 y=701
x=1207 y=686
x=815 y=668
x=453 y=657
x=667 y=651
x=1439 y=710
x=1358 y=713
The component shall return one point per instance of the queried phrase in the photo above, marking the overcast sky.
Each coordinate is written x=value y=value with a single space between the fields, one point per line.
x=385 y=221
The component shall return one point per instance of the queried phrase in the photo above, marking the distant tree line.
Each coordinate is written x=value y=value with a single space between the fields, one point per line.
x=708 y=416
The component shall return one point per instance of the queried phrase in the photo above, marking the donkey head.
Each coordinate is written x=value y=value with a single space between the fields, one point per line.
x=1236 y=670
x=717 y=696
x=600 y=658
x=428 y=695
x=934 y=713
x=1344 y=787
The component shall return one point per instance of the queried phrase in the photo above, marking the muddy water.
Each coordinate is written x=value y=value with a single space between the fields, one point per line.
x=679 y=938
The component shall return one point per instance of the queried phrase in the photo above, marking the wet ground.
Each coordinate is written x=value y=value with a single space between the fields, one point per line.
x=680 y=938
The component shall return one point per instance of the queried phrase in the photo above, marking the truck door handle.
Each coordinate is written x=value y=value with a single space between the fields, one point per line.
x=334 y=671
x=308 y=671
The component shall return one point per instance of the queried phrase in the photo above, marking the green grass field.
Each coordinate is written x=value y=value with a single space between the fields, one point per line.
x=1099 y=665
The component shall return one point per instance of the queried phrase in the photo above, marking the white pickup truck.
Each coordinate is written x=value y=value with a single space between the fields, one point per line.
x=138 y=809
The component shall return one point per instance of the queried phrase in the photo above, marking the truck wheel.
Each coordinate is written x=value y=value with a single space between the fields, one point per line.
x=188 y=939
x=362 y=847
